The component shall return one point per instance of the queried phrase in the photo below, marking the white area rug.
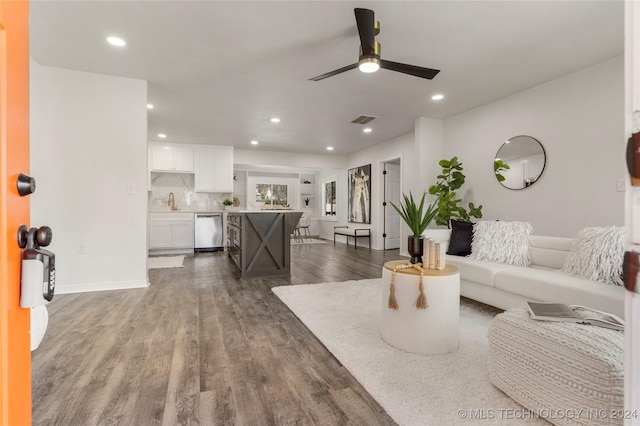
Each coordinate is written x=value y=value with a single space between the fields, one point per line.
x=165 y=262
x=413 y=389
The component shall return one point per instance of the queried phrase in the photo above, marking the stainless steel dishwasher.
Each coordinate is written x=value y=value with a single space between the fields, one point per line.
x=209 y=232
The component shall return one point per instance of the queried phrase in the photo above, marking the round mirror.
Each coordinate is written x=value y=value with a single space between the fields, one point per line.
x=519 y=162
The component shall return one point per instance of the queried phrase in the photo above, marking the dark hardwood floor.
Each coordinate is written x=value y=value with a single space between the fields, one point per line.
x=200 y=345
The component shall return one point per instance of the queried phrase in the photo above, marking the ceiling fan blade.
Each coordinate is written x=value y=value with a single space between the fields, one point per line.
x=414 y=70
x=334 y=72
x=366 y=21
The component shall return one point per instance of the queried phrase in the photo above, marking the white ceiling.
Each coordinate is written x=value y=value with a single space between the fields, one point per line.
x=217 y=71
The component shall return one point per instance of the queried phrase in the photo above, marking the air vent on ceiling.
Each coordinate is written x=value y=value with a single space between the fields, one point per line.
x=363 y=119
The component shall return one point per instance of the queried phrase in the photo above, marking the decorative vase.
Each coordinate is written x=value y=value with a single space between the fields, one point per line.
x=415 y=247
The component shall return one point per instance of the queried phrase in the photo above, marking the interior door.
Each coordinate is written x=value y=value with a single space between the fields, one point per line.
x=15 y=355
x=391 y=217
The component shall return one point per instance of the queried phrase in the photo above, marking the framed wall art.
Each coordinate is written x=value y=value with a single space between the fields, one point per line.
x=360 y=194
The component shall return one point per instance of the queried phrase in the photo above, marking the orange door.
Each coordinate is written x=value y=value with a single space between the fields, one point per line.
x=15 y=355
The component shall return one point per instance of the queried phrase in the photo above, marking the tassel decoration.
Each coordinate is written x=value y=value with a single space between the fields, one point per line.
x=421 y=303
x=393 y=304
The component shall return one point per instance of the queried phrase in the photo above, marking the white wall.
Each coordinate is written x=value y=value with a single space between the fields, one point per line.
x=326 y=224
x=88 y=149
x=579 y=119
x=429 y=142
x=402 y=147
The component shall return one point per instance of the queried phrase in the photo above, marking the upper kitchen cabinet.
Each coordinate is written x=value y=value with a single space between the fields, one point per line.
x=171 y=158
x=214 y=169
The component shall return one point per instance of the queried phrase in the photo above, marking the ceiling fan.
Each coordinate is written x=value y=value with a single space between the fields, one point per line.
x=369 y=60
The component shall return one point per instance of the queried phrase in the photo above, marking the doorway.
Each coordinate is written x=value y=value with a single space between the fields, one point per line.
x=391 y=172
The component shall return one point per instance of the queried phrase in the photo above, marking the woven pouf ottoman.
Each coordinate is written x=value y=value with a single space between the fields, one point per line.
x=568 y=374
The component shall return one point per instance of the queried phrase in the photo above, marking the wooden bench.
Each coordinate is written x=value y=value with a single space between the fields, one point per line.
x=353 y=233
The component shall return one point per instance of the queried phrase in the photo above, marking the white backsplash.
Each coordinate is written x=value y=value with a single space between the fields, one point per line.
x=186 y=199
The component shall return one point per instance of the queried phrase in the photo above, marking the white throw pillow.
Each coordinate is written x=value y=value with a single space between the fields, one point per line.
x=501 y=242
x=597 y=255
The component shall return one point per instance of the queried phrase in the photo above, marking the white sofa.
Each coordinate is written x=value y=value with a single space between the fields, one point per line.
x=508 y=286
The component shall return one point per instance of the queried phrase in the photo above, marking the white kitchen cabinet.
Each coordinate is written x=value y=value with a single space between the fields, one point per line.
x=214 y=169
x=171 y=158
x=205 y=163
x=170 y=231
x=160 y=235
x=182 y=235
x=223 y=169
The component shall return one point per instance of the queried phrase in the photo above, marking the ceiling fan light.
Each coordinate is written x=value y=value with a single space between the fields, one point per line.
x=369 y=65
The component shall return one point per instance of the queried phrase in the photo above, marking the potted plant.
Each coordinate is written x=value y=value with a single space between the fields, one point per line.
x=418 y=219
x=445 y=188
x=227 y=204
x=306 y=201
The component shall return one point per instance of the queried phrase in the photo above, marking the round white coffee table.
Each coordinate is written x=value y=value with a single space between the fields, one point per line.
x=433 y=330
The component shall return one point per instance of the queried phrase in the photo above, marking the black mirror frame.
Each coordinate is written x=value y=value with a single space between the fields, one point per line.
x=544 y=165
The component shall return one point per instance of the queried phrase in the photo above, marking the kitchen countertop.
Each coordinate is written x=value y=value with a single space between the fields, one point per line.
x=222 y=211
x=266 y=211
x=187 y=211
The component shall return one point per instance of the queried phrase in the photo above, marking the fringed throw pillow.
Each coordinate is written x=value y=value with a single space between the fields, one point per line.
x=597 y=255
x=501 y=242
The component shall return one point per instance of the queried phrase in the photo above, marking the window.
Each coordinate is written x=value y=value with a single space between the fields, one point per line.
x=272 y=194
x=329 y=197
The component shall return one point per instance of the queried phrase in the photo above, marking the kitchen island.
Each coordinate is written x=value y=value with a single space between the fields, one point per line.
x=259 y=242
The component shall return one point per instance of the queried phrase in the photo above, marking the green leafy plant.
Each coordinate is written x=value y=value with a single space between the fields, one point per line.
x=445 y=188
x=227 y=202
x=414 y=215
x=500 y=166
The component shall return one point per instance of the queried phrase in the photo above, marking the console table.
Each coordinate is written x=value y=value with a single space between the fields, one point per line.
x=433 y=330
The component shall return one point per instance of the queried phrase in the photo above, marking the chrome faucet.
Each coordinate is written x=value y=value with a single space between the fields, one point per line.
x=172 y=201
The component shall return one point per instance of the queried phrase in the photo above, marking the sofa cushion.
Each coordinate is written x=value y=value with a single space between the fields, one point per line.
x=597 y=254
x=554 y=286
x=461 y=237
x=501 y=242
x=549 y=252
x=477 y=270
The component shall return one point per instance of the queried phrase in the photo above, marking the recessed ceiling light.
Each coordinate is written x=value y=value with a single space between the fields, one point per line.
x=275 y=120
x=367 y=130
x=150 y=106
x=254 y=142
x=116 y=41
x=329 y=148
x=162 y=135
x=437 y=97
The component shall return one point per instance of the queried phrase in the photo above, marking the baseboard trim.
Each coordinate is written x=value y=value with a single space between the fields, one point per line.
x=104 y=286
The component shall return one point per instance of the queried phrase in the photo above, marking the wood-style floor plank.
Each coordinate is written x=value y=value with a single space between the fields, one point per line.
x=201 y=346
